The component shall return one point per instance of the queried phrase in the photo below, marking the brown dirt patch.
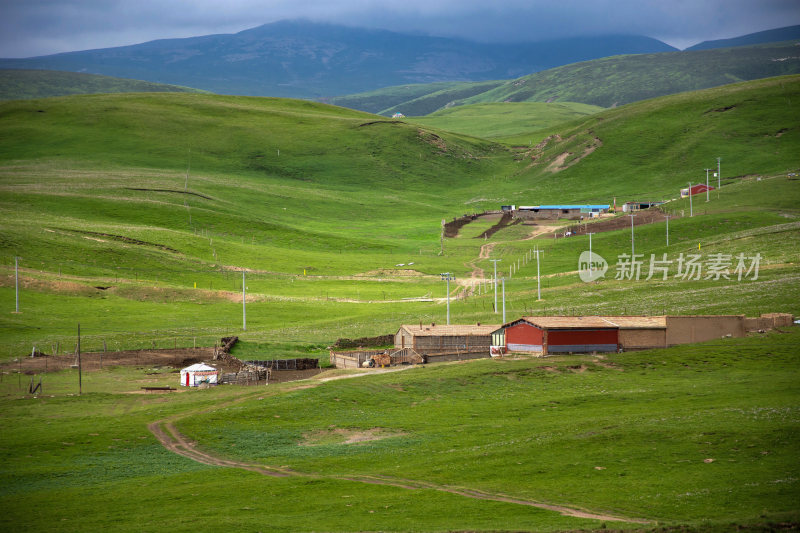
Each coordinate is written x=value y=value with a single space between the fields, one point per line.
x=176 y=358
x=558 y=162
x=647 y=216
x=610 y=366
x=346 y=436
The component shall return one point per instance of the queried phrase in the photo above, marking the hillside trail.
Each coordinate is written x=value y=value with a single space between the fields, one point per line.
x=173 y=440
x=477 y=274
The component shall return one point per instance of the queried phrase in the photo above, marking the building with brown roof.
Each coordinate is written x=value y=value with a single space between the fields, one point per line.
x=433 y=338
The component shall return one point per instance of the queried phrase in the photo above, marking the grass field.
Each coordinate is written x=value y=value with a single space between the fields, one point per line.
x=152 y=217
x=493 y=121
x=18 y=84
x=135 y=216
x=650 y=436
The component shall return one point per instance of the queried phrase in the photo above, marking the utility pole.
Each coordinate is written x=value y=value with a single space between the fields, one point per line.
x=504 y=299
x=667 y=230
x=719 y=174
x=495 y=282
x=244 y=305
x=632 y=239
x=590 y=244
x=16 y=282
x=80 y=384
x=538 y=284
x=690 y=200
x=707 y=183
x=447 y=276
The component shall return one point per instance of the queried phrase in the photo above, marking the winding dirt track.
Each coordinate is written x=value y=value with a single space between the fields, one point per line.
x=174 y=441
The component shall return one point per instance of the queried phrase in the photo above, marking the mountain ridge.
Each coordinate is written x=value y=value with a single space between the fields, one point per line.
x=308 y=60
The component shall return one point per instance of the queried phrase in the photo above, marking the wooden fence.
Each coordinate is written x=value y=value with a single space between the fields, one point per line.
x=287 y=364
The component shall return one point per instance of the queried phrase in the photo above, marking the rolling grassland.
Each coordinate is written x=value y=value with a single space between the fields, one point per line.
x=136 y=214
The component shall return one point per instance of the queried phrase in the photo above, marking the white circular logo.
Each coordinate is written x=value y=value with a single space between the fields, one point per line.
x=591 y=266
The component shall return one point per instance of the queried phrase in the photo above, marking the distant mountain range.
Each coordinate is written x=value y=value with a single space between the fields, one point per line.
x=769 y=36
x=605 y=82
x=302 y=59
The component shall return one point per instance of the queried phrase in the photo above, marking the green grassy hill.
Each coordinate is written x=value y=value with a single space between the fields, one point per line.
x=18 y=84
x=497 y=121
x=320 y=205
x=411 y=99
x=133 y=215
x=604 y=82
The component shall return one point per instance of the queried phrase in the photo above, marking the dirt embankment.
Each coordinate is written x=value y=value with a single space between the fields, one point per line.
x=640 y=218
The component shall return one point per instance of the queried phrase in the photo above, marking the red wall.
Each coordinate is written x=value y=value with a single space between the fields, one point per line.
x=584 y=336
x=523 y=333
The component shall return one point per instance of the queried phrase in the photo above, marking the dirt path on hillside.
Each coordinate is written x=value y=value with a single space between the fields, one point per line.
x=174 y=441
x=476 y=274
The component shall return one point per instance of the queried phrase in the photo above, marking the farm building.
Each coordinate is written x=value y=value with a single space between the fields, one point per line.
x=573 y=334
x=695 y=189
x=640 y=332
x=554 y=212
x=430 y=339
x=197 y=374
x=557 y=334
x=629 y=207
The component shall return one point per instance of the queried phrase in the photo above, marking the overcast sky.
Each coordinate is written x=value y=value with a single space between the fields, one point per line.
x=38 y=27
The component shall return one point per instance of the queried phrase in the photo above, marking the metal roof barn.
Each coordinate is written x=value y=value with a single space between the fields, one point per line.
x=559 y=334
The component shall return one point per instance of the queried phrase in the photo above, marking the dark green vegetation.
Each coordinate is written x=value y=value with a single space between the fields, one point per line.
x=17 y=84
x=611 y=81
x=135 y=214
x=303 y=59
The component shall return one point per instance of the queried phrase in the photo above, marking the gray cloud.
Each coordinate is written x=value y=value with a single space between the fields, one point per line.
x=38 y=27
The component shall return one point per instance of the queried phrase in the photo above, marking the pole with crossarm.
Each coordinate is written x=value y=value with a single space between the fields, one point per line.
x=495 y=282
x=447 y=276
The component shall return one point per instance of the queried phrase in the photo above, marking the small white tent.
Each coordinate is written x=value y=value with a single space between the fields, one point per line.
x=193 y=376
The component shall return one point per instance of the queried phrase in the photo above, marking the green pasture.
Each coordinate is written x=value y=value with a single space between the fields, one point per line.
x=700 y=437
x=509 y=121
x=16 y=84
x=135 y=215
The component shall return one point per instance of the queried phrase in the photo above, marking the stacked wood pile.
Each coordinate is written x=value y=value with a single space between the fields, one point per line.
x=380 y=340
x=228 y=343
x=223 y=353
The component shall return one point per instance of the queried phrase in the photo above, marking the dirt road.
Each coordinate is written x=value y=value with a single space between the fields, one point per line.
x=166 y=433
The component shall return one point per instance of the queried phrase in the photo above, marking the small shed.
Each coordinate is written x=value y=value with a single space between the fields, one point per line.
x=197 y=374
x=432 y=338
x=558 y=334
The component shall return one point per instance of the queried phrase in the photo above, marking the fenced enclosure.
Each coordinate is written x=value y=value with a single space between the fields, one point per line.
x=287 y=364
x=357 y=358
